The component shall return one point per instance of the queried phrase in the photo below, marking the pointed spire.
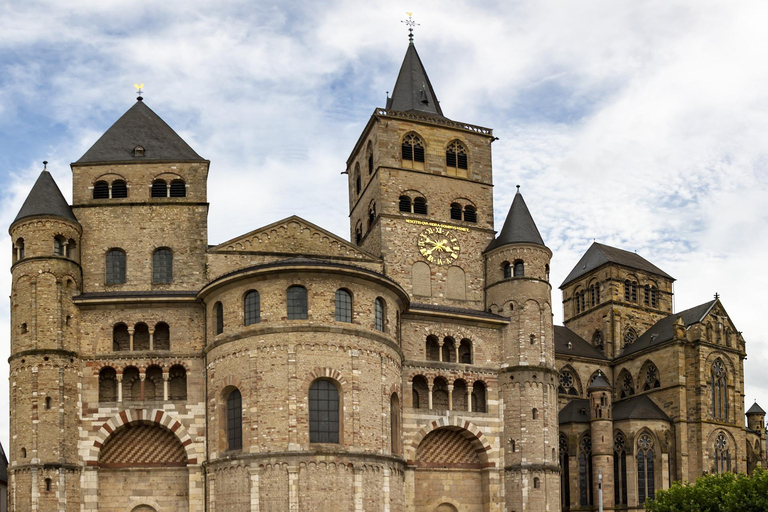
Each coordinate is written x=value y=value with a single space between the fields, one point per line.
x=140 y=128
x=45 y=198
x=599 y=382
x=756 y=409
x=519 y=226
x=413 y=91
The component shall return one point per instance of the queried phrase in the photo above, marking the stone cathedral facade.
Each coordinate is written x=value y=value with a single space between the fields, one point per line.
x=414 y=368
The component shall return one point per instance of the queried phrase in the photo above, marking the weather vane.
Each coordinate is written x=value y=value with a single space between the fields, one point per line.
x=139 y=91
x=410 y=23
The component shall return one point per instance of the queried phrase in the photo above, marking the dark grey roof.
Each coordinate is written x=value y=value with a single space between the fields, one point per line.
x=140 y=126
x=519 y=226
x=579 y=346
x=45 y=198
x=638 y=408
x=575 y=411
x=413 y=91
x=460 y=311
x=599 y=254
x=664 y=330
x=756 y=409
x=599 y=382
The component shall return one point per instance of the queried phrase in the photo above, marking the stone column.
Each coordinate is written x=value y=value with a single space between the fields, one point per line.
x=456 y=346
x=165 y=386
x=151 y=338
x=89 y=489
x=131 y=330
x=142 y=377
x=119 y=377
x=358 y=486
x=469 y=397
x=430 y=386
x=254 y=472
x=440 y=354
x=293 y=489
x=450 y=397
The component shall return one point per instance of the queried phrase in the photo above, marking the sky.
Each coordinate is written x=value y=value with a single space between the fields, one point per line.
x=640 y=125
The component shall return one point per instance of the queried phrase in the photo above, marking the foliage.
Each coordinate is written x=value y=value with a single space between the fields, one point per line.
x=715 y=493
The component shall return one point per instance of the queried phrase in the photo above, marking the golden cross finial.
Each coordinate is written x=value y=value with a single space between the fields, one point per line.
x=410 y=23
x=139 y=90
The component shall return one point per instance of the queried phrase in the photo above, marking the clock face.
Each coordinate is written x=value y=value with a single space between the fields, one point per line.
x=439 y=245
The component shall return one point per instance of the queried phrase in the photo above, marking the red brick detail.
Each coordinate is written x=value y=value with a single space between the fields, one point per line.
x=108 y=428
x=142 y=445
x=124 y=416
x=158 y=416
x=444 y=448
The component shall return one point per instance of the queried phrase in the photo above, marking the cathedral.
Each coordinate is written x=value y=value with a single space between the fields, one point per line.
x=412 y=368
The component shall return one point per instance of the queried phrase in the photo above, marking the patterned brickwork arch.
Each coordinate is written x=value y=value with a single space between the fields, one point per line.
x=478 y=440
x=157 y=416
x=323 y=373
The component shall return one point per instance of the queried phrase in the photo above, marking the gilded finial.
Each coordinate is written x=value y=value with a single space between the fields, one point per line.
x=139 y=90
x=410 y=23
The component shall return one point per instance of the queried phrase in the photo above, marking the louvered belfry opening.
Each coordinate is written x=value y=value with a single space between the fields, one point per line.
x=455 y=211
x=178 y=188
x=420 y=206
x=119 y=189
x=456 y=155
x=405 y=204
x=413 y=148
x=470 y=214
x=101 y=190
x=159 y=188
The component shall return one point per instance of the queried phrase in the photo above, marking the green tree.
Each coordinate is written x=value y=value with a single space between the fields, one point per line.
x=715 y=493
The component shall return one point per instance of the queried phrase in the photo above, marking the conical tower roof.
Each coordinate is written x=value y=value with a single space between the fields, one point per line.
x=140 y=126
x=413 y=91
x=519 y=226
x=45 y=198
x=756 y=409
x=599 y=383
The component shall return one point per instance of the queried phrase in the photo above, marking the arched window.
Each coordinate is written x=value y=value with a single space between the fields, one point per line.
x=379 y=314
x=629 y=337
x=440 y=394
x=358 y=179
x=420 y=206
x=620 y=469
x=162 y=266
x=177 y=383
x=626 y=383
x=218 y=314
x=234 y=420
x=141 y=336
x=645 y=470
x=19 y=249
x=449 y=350
x=323 y=412
x=534 y=413
x=252 y=308
x=48 y=484
x=433 y=348
x=119 y=189
x=412 y=148
x=358 y=233
x=71 y=249
x=161 y=339
x=470 y=214
x=719 y=390
x=405 y=204
x=507 y=269
x=536 y=482
x=47 y=402
x=121 y=339
x=455 y=211
x=630 y=291
x=58 y=245
x=459 y=396
x=394 y=423
x=153 y=383
x=567 y=383
x=597 y=340
x=369 y=151
x=159 y=188
x=107 y=384
x=115 y=266
x=131 y=384
x=519 y=268
x=565 y=480
x=456 y=157
x=654 y=297
x=420 y=392
x=178 y=188
x=585 y=471
x=478 y=397
x=722 y=454
x=297 y=303
x=23 y=453
x=343 y=306
x=371 y=214
x=465 y=351
x=101 y=190
x=651 y=377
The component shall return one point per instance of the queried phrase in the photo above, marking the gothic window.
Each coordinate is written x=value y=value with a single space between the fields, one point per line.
x=455 y=211
x=420 y=206
x=252 y=308
x=161 y=340
x=120 y=338
x=379 y=314
x=719 y=391
x=178 y=188
x=647 y=295
x=456 y=156
x=218 y=312
x=597 y=340
x=620 y=469
x=370 y=158
x=585 y=471
x=577 y=298
x=405 y=204
x=567 y=383
x=297 y=303
x=465 y=351
x=627 y=386
x=115 y=263
x=519 y=268
x=592 y=297
x=107 y=384
x=413 y=148
x=159 y=188
x=358 y=233
x=432 y=349
x=565 y=479
x=119 y=189
x=478 y=397
x=470 y=214
x=177 y=383
x=323 y=412
x=162 y=266
x=507 y=269
x=101 y=190
x=371 y=214
x=645 y=469
x=141 y=336
x=629 y=337
x=651 y=377
x=394 y=424
x=343 y=306
x=234 y=420
x=722 y=454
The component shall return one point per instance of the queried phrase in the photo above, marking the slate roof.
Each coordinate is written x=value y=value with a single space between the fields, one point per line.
x=575 y=411
x=459 y=311
x=519 y=226
x=45 y=198
x=638 y=408
x=599 y=382
x=140 y=126
x=579 y=346
x=663 y=330
x=599 y=254
x=413 y=91
x=755 y=409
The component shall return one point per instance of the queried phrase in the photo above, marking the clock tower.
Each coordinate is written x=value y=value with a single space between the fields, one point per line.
x=420 y=191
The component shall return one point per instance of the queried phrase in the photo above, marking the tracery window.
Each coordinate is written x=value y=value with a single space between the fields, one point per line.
x=627 y=386
x=722 y=454
x=651 y=377
x=379 y=312
x=234 y=420
x=297 y=303
x=456 y=155
x=323 y=412
x=719 y=390
x=565 y=480
x=343 y=306
x=413 y=148
x=567 y=383
x=585 y=471
x=162 y=266
x=252 y=307
x=645 y=468
x=115 y=262
x=620 y=469
x=629 y=337
x=597 y=340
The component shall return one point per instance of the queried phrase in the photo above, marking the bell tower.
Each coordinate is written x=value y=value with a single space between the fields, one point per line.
x=420 y=193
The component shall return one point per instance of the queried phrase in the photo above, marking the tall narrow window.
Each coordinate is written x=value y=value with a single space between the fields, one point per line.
x=432 y=348
x=722 y=454
x=323 y=412
x=620 y=469
x=627 y=290
x=507 y=268
x=654 y=297
x=115 y=261
x=394 y=423
x=177 y=383
x=297 y=303
x=519 y=268
x=252 y=307
x=119 y=189
x=358 y=180
x=343 y=306
x=107 y=385
x=162 y=266
x=470 y=214
x=58 y=245
x=719 y=391
x=234 y=420
x=413 y=148
x=647 y=295
x=101 y=190
x=651 y=377
x=645 y=470
x=420 y=206
x=159 y=188
x=370 y=164
x=218 y=312
x=19 y=250
x=465 y=351
x=585 y=471
x=565 y=480
x=455 y=211
x=379 y=308
x=178 y=188
x=162 y=337
x=456 y=155
x=405 y=204
x=478 y=397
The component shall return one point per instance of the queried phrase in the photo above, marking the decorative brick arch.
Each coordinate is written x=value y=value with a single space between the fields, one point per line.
x=479 y=440
x=324 y=373
x=156 y=416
